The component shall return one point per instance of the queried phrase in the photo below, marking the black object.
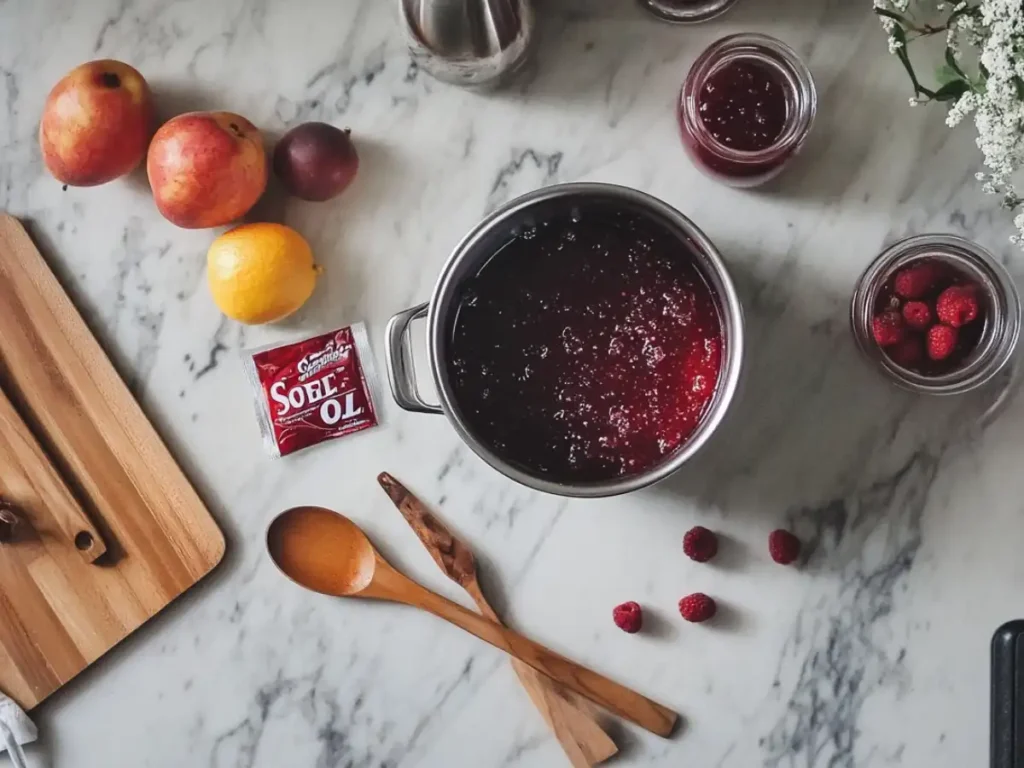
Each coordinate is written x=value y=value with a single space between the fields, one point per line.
x=1008 y=696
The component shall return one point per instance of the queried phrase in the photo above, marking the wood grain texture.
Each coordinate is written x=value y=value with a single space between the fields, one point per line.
x=572 y=719
x=59 y=613
x=389 y=584
x=27 y=477
x=452 y=556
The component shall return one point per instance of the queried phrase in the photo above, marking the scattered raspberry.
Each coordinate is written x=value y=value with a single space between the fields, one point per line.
x=888 y=328
x=918 y=315
x=957 y=306
x=909 y=353
x=915 y=281
x=941 y=341
x=783 y=546
x=629 y=617
x=700 y=544
x=697 y=607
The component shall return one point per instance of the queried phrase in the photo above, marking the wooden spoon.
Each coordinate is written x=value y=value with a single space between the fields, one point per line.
x=328 y=553
x=572 y=718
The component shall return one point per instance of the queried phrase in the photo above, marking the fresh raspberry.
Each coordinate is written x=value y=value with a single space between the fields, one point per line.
x=697 y=607
x=957 y=305
x=918 y=315
x=941 y=341
x=700 y=544
x=909 y=353
x=629 y=617
x=783 y=546
x=888 y=328
x=915 y=281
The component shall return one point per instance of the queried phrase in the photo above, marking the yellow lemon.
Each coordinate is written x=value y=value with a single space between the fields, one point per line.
x=259 y=273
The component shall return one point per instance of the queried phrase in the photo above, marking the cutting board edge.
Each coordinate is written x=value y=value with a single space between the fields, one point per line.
x=123 y=406
x=131 y=633
x=195 y=526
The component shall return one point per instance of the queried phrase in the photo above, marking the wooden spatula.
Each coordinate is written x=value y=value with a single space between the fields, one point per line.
x=572 y=718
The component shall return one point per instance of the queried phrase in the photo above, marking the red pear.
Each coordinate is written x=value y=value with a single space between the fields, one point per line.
x=96 y=123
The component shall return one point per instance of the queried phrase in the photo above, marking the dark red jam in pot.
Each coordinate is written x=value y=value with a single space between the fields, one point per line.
x=587 y=348
x=746 y=108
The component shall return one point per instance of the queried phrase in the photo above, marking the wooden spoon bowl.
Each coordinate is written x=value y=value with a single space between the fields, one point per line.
x=322 y=550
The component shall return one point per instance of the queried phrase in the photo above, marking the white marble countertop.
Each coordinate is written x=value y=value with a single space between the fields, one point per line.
x=874 y=653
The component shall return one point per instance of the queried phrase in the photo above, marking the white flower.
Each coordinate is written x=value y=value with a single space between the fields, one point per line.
x=995 y=29
x=961 y=107
x=953 y=41
x=1018 y=222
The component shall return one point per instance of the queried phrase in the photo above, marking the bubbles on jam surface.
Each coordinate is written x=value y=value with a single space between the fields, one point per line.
x=587 y=348
x=743 y=105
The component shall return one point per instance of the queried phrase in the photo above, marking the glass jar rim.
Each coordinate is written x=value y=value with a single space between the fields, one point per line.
x=797 y=80
x=692 y=12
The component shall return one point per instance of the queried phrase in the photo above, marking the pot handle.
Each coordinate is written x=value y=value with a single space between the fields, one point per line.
x=398 y=361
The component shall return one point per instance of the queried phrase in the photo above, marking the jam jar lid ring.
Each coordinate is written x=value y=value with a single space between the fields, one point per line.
x=767 y=50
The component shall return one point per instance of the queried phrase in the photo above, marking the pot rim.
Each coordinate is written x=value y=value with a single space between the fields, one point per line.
x=721 y=284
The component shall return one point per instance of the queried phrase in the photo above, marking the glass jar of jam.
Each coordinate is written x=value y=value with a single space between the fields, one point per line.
x=931 y=273
x=746 y=108
x=687 y=11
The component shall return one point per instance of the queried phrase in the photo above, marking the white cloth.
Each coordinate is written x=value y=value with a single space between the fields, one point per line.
x=15 y=729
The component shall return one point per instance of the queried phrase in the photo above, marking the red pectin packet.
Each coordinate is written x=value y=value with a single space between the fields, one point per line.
x=313 y=390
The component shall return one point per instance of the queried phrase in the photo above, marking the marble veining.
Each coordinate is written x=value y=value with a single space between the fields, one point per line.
x=873 y=653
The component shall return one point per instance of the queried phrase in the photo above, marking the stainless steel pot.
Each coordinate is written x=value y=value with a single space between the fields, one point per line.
x=469 y=42
x=479 y=245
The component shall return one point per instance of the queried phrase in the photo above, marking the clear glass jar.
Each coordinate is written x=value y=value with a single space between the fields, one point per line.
x=1000 y=310
x=793 y=86
x=687 y=11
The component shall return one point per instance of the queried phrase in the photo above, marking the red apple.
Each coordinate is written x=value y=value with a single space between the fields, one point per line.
x=96 y=123
x=206 y=168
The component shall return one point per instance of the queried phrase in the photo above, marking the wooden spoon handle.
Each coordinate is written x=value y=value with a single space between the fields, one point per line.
x=616 y=698
x=572 y=718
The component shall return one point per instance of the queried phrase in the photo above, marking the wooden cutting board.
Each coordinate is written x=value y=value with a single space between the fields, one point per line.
x=111 y=530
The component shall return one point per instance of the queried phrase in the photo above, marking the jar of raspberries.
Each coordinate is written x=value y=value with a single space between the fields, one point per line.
x=937 y=313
